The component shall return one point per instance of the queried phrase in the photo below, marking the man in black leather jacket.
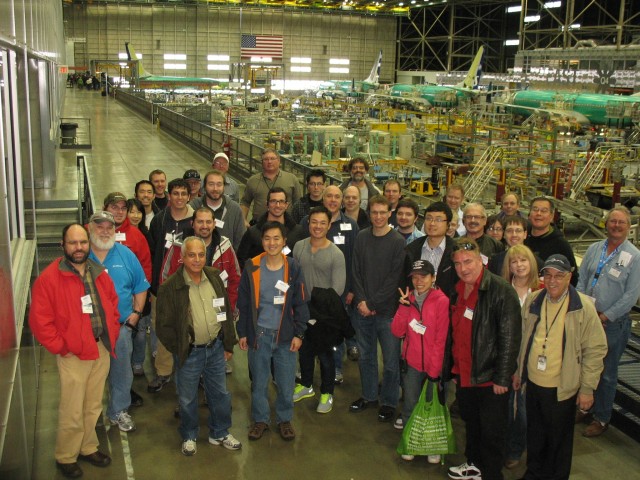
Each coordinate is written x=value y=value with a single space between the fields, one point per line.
x=481 y=354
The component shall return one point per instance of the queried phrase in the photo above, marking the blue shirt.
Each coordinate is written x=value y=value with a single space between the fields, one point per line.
x=269 y=314
x=127 y=274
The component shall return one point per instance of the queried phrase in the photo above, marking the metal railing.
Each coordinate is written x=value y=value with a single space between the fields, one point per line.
x=85 y=193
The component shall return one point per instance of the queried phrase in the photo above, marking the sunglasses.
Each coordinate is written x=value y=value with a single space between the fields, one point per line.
x=464 y=246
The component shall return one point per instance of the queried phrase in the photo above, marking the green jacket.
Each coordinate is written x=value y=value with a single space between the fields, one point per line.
x=584 y=343
x=174 y=326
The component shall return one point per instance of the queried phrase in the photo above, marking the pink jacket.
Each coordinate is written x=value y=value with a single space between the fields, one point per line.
x=424 y=353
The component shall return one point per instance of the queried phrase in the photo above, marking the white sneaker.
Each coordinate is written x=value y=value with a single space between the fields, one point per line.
x=124 y=422
x=229 y=442
x=399 y=423
x=300 y=392
x=326 y=403
x=408 y=458
x=467 y=471
x=433 y=459
x=189 y=447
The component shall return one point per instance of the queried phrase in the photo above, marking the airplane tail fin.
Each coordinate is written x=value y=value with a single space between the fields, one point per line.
x=472 y=80
x=374 y=75
x=131 y=54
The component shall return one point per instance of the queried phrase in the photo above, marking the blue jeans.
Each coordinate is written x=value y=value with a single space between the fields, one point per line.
x=120 y=374
x=516 y=425
x=617 y=338
x=412 y=382
x=140 y=341
x=208 y=363
x=368 y=330
x=284 y=363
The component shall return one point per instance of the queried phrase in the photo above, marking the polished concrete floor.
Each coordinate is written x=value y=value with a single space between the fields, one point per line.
x=338 y=445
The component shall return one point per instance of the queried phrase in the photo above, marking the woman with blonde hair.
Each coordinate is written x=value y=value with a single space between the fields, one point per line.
x=520 y=270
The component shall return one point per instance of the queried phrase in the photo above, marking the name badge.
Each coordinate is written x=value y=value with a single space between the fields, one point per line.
x=282 y=286
x=417 y=327
x=224 y=276
x=278 y=300
x=485 y=259
x=614 y=272
x=121 y=237
x=344 y=227
x=339 y=240
x=87 y=308
x=218 y=302
x=168 y=244
x=86 y=300
x=542 y=363
x=221 y=316
x=286 y=250
x=219 y=223
x=468 y=313
x=168 y=237
x=625 y=259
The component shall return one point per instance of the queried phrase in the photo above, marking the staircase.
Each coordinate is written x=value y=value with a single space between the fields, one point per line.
x=591 y=172
x=482 y=172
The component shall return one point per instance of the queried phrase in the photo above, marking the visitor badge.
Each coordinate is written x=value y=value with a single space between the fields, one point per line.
x=344 y=227
x=417 y=327
x=221 y=316
x=468 y=313
x=286 y=250
x=224 y=275
x=87 y=308
x=542 y=363
x=121 y=237
x=614 y=272
x=339 y=240
x=278 y=300
x=219 y=223
x=168 y=244
x=282 y=286
x=168 y=237
x=218 y=302
x=485 y=259
x=625 y=259
x=86 y=300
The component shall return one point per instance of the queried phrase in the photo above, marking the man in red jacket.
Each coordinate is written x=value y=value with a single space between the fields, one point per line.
x=74 y=315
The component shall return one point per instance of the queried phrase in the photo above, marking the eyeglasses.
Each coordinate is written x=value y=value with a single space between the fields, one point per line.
x=473 y=217
x=434 y=220
x=277 y=202
x=464 y=246
x=557 y=276
x=540 y=210
x=617 y=222
x=514 y=230
x=495 y=229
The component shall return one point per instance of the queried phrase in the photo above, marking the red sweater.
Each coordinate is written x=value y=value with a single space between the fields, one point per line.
x=56 y=317
x=137 y=243
x=425 y=352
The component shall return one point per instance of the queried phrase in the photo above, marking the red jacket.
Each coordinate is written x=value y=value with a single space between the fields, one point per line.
x=425 y=352
x=56 y=317
x=137 y=243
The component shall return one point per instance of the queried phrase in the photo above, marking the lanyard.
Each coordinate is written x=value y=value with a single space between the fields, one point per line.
x=603 y=261
x=546 y=319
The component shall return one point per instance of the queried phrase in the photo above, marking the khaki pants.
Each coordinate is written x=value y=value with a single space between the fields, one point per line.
x=81 y=391
x=164 y=358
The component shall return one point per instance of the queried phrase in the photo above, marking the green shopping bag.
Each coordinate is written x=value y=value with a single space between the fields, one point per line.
x=428 y=431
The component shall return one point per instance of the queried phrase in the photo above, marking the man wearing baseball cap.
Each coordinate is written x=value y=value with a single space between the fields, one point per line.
x=221 y=162
x=560 y=361
x=195 y=183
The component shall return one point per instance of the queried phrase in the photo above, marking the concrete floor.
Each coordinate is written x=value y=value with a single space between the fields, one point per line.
x=339 y=445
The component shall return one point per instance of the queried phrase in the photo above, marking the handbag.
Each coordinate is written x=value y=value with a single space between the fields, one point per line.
x=428 y=431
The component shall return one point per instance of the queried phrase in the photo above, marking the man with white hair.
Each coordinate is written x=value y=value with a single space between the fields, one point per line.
x=221 y=162
x=475 y=219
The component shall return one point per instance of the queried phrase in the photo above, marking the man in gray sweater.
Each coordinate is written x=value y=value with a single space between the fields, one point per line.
x=378 y=261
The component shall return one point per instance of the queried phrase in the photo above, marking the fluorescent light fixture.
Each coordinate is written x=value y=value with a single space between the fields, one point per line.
x=261 y=59
x=550 y=5
x=575 y=26
x=514 y=41
x=122 y=64
x=175 y=56
x=218 y=58
x=218 y=67
x=300 y=60
x=514 y=9
x=338 y=61
x=531 y=18
x=295 y=68
x=338 y=70
x=175 y=66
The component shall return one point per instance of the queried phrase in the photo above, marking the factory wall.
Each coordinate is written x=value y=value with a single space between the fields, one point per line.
x=100 y=31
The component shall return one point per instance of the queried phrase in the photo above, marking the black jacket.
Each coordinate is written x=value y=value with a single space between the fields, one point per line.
x=551 y=243
x=331 y=324
x=446 y=276
x=496 y=333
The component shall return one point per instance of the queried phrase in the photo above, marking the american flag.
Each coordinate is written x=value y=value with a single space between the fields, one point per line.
x=261 y=46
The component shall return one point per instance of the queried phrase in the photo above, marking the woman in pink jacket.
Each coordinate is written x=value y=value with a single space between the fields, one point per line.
x=423 y=321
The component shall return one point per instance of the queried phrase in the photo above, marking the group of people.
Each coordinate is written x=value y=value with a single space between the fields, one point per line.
x=496 y=306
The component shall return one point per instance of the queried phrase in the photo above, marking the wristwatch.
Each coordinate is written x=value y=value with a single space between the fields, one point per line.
x=299 y=335
x=138 y=312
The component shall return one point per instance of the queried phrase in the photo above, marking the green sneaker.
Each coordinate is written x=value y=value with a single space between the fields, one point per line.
x=326 y=403
x=301 y=392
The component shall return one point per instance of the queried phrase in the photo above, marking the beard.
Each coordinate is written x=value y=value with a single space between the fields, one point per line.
x=102 y=244
x=76 y=261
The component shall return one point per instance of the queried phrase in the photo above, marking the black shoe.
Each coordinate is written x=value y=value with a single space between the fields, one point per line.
x=136 y=400
x=97 y=459
x=353 y=354
x=386 y=413
x=361 y=404
x=70 y=470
